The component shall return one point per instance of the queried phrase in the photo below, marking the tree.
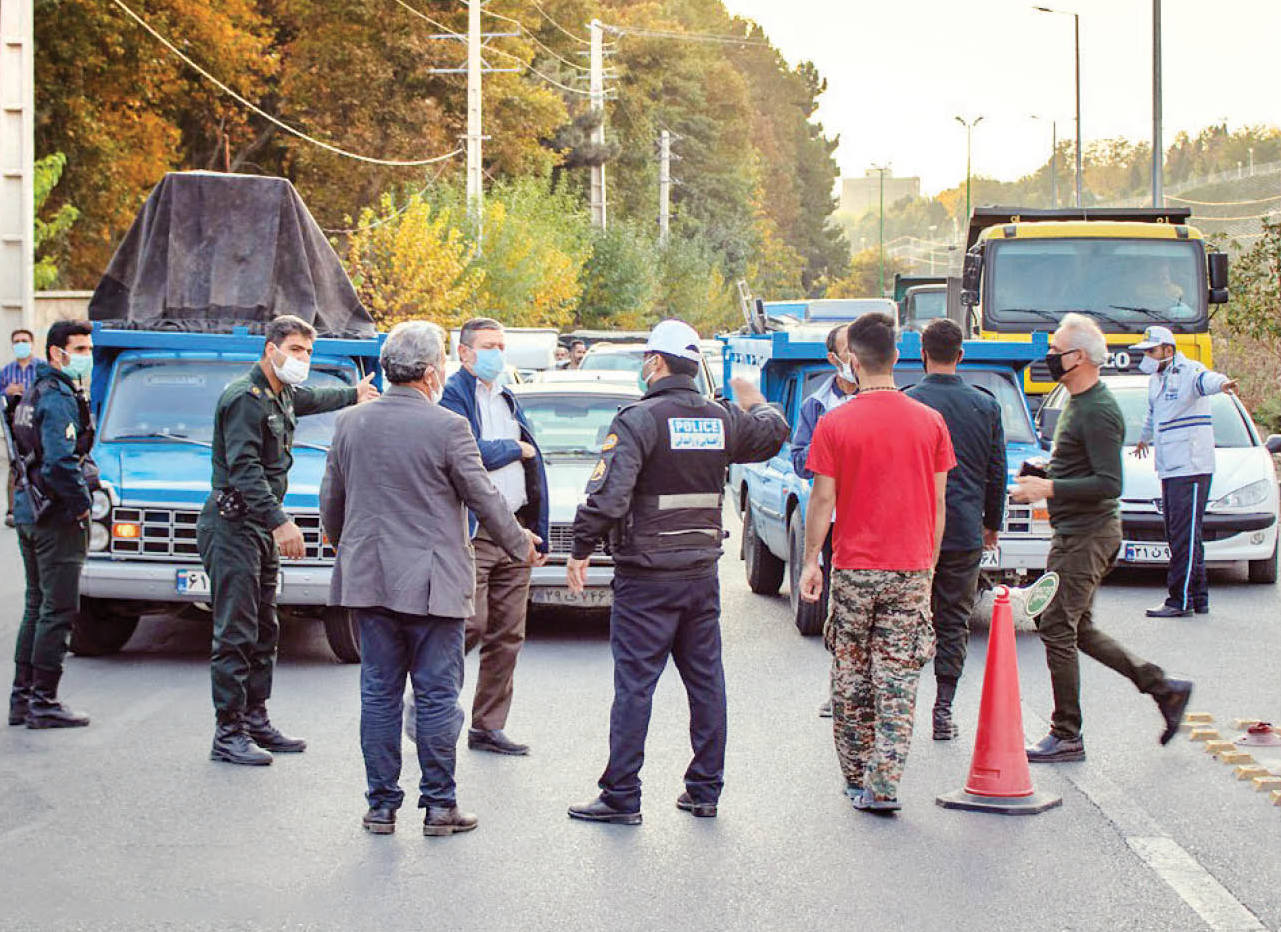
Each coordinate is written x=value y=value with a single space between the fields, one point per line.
x=864 y=279
x=620 y=279
x=48 y=171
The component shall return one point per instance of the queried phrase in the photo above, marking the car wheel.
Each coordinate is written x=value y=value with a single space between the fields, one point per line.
x=1265 y=571
x=764 y=570
x=97 y=631
x=809 y=616
x=342 y=634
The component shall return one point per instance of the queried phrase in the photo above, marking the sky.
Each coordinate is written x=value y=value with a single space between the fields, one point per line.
x=899 y=72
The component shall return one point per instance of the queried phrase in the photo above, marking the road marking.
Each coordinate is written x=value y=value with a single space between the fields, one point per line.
x=1147 y=838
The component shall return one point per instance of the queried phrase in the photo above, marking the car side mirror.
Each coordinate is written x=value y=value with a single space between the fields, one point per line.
x=1048 y=421
x=1218 y=269
x=1273 y=443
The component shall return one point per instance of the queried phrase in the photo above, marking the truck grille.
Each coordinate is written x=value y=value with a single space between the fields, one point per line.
x=169 y=534
x=560 y=539
x=1018 y=520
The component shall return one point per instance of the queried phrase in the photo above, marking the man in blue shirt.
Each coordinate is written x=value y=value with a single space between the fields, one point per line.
x=975 y=504
x=831 y=392
x=16 y=378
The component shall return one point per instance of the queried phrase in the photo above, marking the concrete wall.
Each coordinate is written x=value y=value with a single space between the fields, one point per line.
x=49 y=306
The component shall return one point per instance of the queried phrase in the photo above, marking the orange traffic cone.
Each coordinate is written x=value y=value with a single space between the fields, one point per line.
x=1000 y=780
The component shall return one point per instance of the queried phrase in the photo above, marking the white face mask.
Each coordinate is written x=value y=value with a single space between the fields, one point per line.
x=293 y=371
x=846 y=371
x=1149 y=366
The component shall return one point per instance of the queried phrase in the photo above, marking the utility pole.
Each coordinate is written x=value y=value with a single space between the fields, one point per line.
x=1080 y=171
x=881 y=170
x=969 y=139
x=1158 y=145
x=17 y=173
x=664 y=186
x=597 y=88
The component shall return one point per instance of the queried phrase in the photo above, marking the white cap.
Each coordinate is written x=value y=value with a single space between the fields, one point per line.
x=1154 y=337
x=675 y=338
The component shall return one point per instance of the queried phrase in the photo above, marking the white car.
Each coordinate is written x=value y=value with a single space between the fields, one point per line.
x=626 y=359
x=570 y=421
x=1241 y=518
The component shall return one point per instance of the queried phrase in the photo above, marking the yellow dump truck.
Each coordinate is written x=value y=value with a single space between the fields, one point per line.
x=1127 y=268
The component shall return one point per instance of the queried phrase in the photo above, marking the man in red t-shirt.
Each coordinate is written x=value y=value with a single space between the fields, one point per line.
x=881 y=460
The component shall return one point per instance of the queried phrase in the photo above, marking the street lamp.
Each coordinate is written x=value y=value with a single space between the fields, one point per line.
x=1158 y=143
x=881 y=170
x=1076 y=20
x=969 y=138
x=1054 y=158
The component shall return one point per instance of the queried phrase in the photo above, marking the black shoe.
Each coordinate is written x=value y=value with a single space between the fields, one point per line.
x=20 y=695
x=1051 y=750
x=232 y=744
x=494 y=741
x=825 y=710
x=380 y=821
x=1172 y=701
x=441 y=820
x=944 y=728
x=1202 y=609
x=600 y=811
x=43 y=708
x=264 y=734
x=866 y=802
x=686 y=803
x=1169 y=611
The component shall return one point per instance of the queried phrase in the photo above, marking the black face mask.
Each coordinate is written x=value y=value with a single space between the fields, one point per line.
x=1054 y=362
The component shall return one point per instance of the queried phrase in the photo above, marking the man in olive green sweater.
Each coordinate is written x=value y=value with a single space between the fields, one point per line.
x=1082 y=490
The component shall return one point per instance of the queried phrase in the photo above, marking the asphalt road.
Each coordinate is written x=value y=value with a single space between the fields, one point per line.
x=127 y=824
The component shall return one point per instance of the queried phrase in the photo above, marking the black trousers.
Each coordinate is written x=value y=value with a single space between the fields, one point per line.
x=1183 y=502
x=652 y=619
x=52 y=554
x=956 y=578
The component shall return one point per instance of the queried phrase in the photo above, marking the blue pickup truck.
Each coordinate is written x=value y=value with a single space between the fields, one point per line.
x=153 y=397
x=772 y=498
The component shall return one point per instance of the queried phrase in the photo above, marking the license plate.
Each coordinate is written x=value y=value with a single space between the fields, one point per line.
x=1145 y=553
x=196 y=582
x=991 y=559
x=588 y=598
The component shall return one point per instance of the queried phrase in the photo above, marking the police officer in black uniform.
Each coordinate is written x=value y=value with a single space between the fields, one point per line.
x=52 y=433
x=656 y=494
x=243 y=531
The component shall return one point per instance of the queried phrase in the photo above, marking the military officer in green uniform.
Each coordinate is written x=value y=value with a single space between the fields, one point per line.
x=243 y=532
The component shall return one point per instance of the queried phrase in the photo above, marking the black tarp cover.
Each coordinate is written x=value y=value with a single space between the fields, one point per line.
x=209 y=251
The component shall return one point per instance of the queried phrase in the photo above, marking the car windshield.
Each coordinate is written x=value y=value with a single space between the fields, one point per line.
x=628 y=362
x=926 y=305
x=152 y=399
x=1125 y=285
x=570 y=423
x=1229 y=427
x=1014 y=416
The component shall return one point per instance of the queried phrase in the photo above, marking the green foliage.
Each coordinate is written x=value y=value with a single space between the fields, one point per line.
x=864 y=278
x=48 y=171
x=620 y=279
x=1248 y=329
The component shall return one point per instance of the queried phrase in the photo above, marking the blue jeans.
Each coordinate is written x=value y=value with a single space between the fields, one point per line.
x=653 y=619
x=428 y=650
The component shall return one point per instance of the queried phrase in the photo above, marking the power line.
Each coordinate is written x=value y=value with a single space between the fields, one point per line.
x=527 y=33
x=397 y=163
x=409 y=202
x=545 y=15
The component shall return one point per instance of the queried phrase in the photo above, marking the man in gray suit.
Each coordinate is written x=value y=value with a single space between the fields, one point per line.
x=400 y=478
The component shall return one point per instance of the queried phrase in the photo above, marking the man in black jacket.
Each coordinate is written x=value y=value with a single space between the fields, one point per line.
x=975 y=504
x=656 y=494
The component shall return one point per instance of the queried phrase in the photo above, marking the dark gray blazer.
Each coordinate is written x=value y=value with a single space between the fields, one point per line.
x=401 y=474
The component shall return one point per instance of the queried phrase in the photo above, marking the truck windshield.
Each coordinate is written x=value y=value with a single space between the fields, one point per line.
x=1124 y=284
x=926 y=305
x=152 y=399
x=836 y=309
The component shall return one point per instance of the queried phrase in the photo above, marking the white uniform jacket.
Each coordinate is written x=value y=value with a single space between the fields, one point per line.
x=1178 y=424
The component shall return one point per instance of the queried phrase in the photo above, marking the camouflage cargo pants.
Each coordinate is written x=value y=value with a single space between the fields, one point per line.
x=880 y=635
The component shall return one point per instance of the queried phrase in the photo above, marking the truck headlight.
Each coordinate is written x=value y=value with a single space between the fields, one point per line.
x=1256 y=493
x=99 y=537
x=101 y=505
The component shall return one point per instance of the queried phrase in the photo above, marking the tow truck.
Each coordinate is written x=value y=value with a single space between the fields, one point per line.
x=771 y=498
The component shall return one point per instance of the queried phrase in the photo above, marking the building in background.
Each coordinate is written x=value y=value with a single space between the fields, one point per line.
x=859 y=195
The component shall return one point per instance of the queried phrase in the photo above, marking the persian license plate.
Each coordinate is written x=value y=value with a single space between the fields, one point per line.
x=196 y=582
x=1132 y=552
x=598 y=597
x=991 y=559
x=192 y=582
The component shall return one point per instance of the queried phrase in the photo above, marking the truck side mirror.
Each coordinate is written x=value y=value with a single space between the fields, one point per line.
x=971 y=272
x=1218 y=267
x=1273 y=443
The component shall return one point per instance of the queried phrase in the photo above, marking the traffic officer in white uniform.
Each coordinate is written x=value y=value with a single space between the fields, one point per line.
x=1180 y=429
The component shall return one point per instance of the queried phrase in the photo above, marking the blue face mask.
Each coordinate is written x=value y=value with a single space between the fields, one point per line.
x=489 y=364
x=79 y=366
x=22 y=350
